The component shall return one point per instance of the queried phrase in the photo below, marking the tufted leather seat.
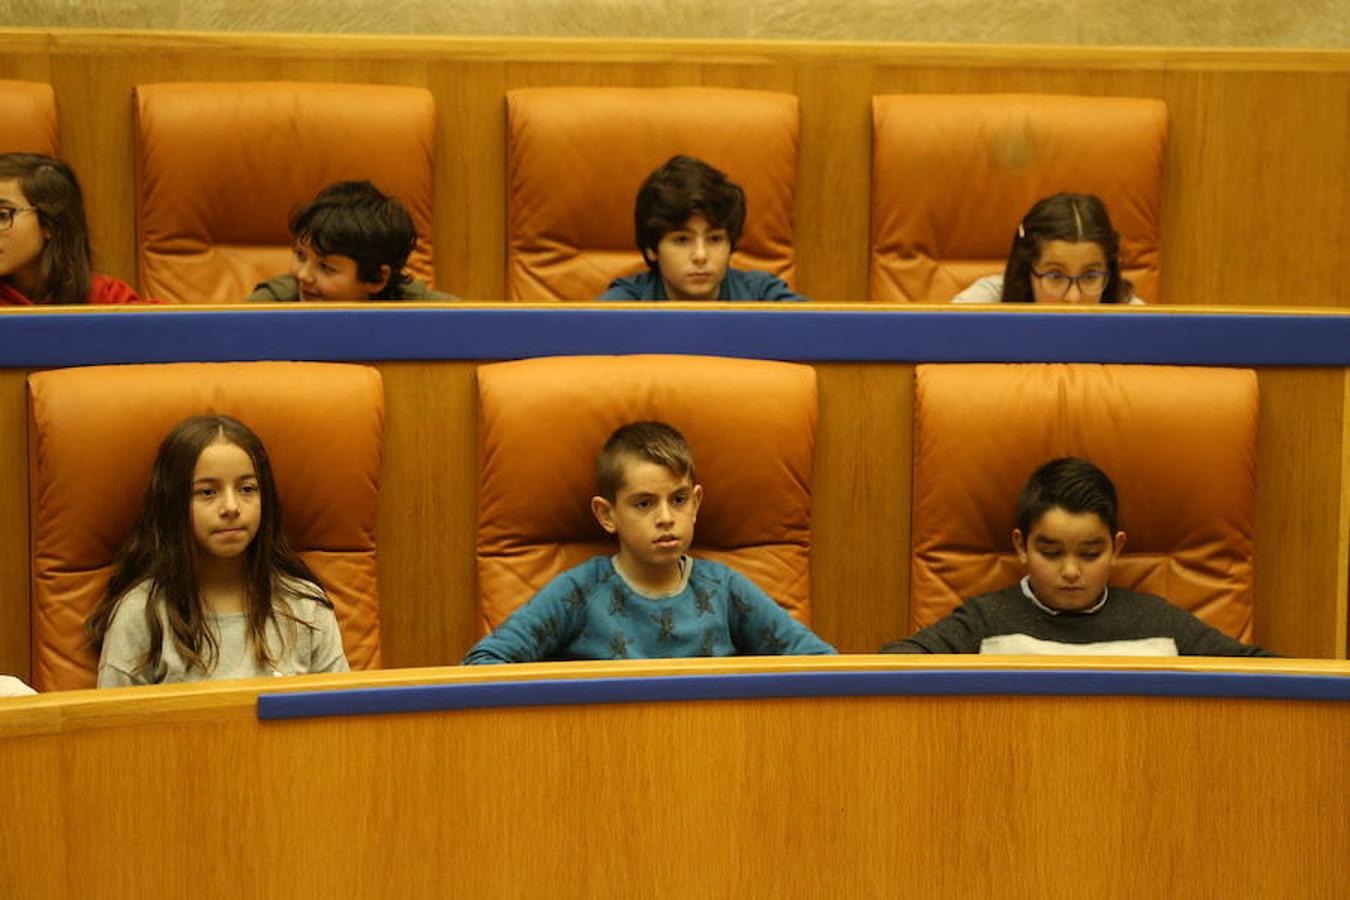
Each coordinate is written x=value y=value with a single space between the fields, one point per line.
x=953 y=174
x=28 y=111
x=93 y=436
x=576 y=157
x=1179 y=443
x=751 y=425
x=220 y=167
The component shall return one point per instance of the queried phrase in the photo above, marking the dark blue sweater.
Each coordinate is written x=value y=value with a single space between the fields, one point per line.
x=737 y=285
x=1127 y=624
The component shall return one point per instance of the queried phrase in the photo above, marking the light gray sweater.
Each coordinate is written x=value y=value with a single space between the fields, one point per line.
x=309 y=643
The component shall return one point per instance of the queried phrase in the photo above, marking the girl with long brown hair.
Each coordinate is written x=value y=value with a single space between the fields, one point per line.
x=207 y=586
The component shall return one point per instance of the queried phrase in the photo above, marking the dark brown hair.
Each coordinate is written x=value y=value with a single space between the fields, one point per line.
x=1071 y=484
x=50 y=186
x=1076 y=218
x=654 y=442
x=357 y=220
x=163 y=551
x=680 y=188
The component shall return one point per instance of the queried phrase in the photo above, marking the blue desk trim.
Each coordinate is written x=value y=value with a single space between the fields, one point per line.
x=145 y=335
x=755 y=686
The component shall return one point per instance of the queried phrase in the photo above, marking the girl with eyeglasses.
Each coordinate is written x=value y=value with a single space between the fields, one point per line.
x=44 y=240
x=1065 y=251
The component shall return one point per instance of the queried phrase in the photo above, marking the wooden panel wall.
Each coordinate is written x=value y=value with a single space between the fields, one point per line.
x=861 y=516
x=818 y=797
x=428 y=513
x=1257 y=208
x=1303 y=454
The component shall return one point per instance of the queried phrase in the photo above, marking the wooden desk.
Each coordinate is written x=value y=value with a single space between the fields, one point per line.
x=184 y=791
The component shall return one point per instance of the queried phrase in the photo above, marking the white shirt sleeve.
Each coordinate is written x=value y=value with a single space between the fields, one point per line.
x=988 y=289
x=13 y=687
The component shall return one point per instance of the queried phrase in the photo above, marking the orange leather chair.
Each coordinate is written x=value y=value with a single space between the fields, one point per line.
x=28 y=109
x=220 y=168
x=952 y=176
x=576 y=156
x=93 y=436
x=542 y=422
x=1179 y=443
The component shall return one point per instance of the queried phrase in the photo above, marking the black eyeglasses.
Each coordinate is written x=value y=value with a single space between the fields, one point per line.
x=7 y=214
x=1057 y=284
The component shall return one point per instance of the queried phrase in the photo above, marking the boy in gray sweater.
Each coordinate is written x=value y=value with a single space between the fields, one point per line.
x=1067 y=539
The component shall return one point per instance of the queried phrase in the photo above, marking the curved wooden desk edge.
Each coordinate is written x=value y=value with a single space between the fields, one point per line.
x=962 y=796
x=74 y=711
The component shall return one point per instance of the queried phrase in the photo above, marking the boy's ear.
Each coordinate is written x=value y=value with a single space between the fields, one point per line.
x=385 y=272
x=603 y=511
x=649 y=256
x=697 y=497
x=374 y=287
x=1020 y=545
x=1119 y=543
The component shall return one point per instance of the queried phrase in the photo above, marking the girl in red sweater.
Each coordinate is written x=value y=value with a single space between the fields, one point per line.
x=44 y=239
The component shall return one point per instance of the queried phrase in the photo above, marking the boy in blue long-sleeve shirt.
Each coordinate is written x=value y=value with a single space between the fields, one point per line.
x=651 y=599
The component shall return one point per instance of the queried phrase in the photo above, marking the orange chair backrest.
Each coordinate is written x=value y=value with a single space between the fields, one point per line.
x=576 y=156
x=953 y=174
x=220 y=168
x=751 y=426
x=94 y=432
x=1179 y=443
x=28 y=111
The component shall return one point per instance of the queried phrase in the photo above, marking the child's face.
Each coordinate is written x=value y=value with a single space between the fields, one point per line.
x=331 y=277
x=20 y=244
x=1068 y=557
x=226 y=501
x=1062 y=261
x=693 y=260
x=653 y=516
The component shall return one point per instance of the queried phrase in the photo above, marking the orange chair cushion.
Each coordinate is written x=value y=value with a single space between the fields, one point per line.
x=93 y=436
x=542 y=422
x=1179 y=443
x=28 y=111
x=576 y=157
x=220 y=168
x=952 y=176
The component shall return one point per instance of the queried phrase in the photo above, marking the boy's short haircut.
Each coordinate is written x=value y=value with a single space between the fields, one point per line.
x=682 y=187
x=1072 y=484
x=654 y=442
x=357 y=220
